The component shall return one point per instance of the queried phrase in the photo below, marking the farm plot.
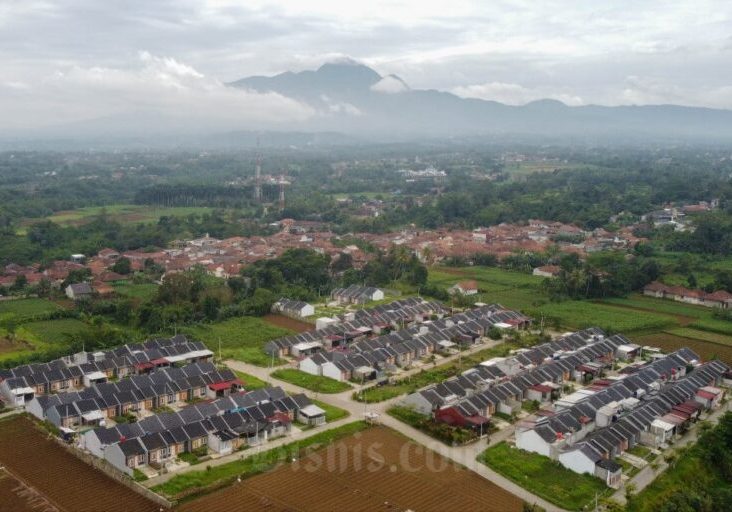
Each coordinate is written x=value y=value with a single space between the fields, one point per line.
x=64 y=480
x=670 y=342
x=24 y=309
x=375 y=470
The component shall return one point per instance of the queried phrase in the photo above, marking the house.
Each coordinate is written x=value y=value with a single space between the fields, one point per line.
x=609 y=472
x=710 y=397
x=293 y=308
x=79 y=291
x=454 y=417
x=126 y=456
x=311 y=415
x=469 y=287
x=580 y=458
x=547 y=271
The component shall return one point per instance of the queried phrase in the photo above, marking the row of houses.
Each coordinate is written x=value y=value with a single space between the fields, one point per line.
x=345 y=329
x=216 y=427
x=374 y=357
x=21 y=384
x=356 y=294
x=502 y=384
x=719 y=299
x=293 y=308
x=136 y=394
x=652 y=418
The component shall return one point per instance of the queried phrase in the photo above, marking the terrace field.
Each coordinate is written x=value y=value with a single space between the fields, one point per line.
x=242 y=338
x=51 y=332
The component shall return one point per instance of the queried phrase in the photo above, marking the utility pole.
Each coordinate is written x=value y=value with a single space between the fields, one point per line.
x=258 y=175
x=220 y=359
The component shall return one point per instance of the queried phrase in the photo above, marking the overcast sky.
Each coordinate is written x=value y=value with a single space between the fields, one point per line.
x=67 y=60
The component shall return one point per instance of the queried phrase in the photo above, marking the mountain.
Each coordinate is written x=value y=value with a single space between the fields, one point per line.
x=353 y=98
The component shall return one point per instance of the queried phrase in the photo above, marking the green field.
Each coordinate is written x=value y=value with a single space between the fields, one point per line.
x=250 y=381
x=316 y=383
x=711 y=337
x=122 y=213
x=515 y=290
x=142 y=291
x=580 y=314
x=23 y=309
x=544 y=477
x=242 y=338
x=51 y=332
x=188 y=485
x=332 y=413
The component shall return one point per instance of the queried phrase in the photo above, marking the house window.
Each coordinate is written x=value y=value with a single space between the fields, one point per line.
x=202 y=392
x=165 y=452
x=140 y=459
x=170 y=399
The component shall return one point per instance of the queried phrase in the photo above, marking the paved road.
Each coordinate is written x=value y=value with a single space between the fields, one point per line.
x=463 y=455
x=647 y=475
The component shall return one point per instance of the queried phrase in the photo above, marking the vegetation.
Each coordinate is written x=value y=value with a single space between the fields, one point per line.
x=250 y=381
x=448 y=434
x=544 y=477
x=316 y=383
x=698 y=479
x=332 y=413
x=242 y=338
x=193 y=483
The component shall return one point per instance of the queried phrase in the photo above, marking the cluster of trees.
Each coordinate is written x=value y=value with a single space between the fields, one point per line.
x=605 y=274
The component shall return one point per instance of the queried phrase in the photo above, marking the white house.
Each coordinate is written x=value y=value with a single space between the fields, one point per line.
x=581 y=458
x=464 y=288
x=78 y=291
x=293 y=308
x=311 y=415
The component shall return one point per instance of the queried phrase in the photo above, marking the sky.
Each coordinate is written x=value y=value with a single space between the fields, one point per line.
x=67 y=61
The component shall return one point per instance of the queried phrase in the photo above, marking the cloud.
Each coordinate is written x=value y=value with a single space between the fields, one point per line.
x=390 y=85
x=339 y=107
x=514 y=94
x=156 y=88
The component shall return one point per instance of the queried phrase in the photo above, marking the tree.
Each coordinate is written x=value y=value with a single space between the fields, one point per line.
x=122 y=266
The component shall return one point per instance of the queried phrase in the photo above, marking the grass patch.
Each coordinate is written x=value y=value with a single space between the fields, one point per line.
x=142 y=291
x=188 y=485
x=122 y=213
x=542 y=476
x=332 y=413
x=242 y=338
x=713 y=325
x=316 y=383
x=250 y=381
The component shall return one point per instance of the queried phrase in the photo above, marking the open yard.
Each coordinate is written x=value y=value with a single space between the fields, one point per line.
x=65 y=481
x=371 y=471
x=142 y=291
x=544 y=477
x=316 y=383
x=242 y=338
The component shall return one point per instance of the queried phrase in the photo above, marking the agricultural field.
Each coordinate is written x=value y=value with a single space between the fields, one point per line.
x=670 y=342
x=64 y=480
x=375 y=468
x=24 y=309
x=47 y=333
x=580 y=314
x=316 y=383
x=544 y=477
x=122 y=213
x=141 y=291
x=242 y=338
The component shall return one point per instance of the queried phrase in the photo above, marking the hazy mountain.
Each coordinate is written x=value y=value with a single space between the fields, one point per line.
x=354 y=98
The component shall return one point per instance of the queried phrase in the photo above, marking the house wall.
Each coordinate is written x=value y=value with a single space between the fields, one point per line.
x=307 y=365
x=531 y=442
x=332 y=371
x=113 y=454
x=34 y=407
x=89 y=441
x=577 y=462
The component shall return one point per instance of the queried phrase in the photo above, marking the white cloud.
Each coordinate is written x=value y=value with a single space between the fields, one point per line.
x=159 y=87
x=514 y=94
x=390 y=85
x=340 y=107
